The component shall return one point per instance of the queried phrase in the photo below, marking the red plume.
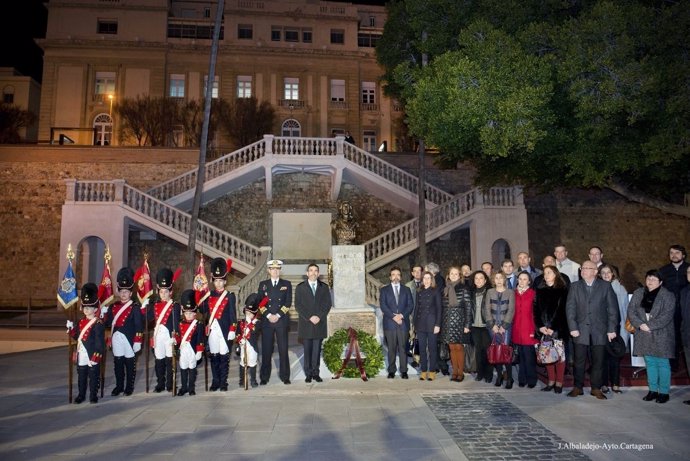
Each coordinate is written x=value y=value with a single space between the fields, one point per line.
x=229 y=263
x=177 y=274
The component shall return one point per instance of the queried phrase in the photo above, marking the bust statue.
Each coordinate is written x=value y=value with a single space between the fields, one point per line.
x=344 y=225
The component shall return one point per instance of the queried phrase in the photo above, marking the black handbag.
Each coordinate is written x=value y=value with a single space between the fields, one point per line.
x=412 y=347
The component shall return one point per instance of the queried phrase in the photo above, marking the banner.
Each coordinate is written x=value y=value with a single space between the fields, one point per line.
x=67 y=291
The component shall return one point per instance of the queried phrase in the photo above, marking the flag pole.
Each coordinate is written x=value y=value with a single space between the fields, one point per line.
x=106 y=270
x=70 y=317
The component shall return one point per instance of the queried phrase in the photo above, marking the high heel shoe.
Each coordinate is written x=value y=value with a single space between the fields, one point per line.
x=558 y=389
x=548 y=388
x=509 y=384
x=499 y=380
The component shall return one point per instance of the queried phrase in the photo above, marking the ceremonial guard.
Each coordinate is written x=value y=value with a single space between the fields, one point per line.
x=247 y=338
x=90 y=336
x=275 y=321
x=165 y=314
x=190 y=340
x=220 y=309
x=126 y=326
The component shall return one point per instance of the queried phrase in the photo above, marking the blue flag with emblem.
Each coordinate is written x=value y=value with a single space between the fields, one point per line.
x=67 y=291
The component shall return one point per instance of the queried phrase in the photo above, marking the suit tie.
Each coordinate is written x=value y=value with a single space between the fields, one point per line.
x=313 y=288
x=275 y=284
x=396 y=291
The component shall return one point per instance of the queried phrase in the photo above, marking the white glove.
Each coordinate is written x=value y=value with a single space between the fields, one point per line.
x=104 y=310
x=69 y=325
x=145 y=303
x=198 y=356
x=172 y=342
x=231 y=336
x=92 y=364
x=243 y=342
x=136 y=347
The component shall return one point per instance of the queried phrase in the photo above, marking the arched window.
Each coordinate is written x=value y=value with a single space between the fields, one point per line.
x=291 y=127
x=500 y=250
x=103 y=126
x=8 y=94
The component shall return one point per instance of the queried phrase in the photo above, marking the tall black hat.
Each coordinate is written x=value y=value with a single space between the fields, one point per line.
x=188 y=301
x=252 y=303
x=220 y=268
x=89 y=295
x=125 y=279
x=164 y=278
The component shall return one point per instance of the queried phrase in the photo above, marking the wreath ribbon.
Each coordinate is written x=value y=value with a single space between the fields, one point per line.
x=353 y=346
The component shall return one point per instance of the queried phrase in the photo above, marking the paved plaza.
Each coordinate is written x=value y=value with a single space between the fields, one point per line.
x=344 y=419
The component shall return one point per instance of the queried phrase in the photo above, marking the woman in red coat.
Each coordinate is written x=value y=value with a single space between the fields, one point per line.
x=523 y=332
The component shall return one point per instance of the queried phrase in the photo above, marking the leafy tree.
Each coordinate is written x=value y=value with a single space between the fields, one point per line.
x=191 y=117
x=591 y=95
x=147 y=119
x=13 y=119
x=246 y=120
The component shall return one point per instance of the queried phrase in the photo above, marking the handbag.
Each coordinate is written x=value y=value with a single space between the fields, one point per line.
x=412 y=347
x=470 y=366
x=499 y=353
x=546 y=351
x=629 y=326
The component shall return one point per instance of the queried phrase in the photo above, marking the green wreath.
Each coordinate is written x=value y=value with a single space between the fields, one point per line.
x=371 y=350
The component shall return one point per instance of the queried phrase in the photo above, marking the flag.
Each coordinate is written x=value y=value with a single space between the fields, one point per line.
x=142 y=278
x=201 y=291
x=105 y=289
x=67 y=291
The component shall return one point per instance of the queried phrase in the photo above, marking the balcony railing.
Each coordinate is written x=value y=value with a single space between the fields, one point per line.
x=291 y=103
x=369 y=107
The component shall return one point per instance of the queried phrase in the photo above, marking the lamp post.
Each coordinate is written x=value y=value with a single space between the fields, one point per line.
x=111 y=97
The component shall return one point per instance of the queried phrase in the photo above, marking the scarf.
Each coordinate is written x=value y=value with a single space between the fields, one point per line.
x=648 y=299
x=451 y=295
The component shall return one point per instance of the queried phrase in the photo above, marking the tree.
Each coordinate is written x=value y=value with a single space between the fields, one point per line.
x=191 y=117
x=147 y=119
x=593 y=96
x=246 y=121
x=13 y=119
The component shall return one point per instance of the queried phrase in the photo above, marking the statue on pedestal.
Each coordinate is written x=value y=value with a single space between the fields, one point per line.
x=344 y=226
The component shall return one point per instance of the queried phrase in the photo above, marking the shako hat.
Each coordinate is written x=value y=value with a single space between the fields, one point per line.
x=188 y=301
x=89 y=295
x=164 y=278
x=125 y=279
x=251 y=305
x=220 y=268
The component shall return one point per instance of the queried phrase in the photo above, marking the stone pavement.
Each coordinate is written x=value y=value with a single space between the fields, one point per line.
x=344 y=419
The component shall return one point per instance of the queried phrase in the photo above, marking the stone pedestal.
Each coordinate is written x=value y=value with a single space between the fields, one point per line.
x=349 y=298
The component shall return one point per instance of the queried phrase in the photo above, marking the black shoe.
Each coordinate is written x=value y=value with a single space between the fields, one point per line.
x=181 y=392
x=499 y=380
x=79 y=399
x=128 y=392
x=224 y=388
x=509 y=384
x=531 y=386
x=318 y=379
x=158 y=389
x=213 y=388
x=117 y=391
x=478 y=378
x=264 y=382
x=548 y=388
x=307 y=379
x=488 y=379
x=445 y=372
x=522 y=385
x=286 y=381
x=93 y=400
x=686 y=402
x=192 y=393
x=404 y=376
x=391 y=375
x=650 y=396
x=663 y=398
x=558 y=389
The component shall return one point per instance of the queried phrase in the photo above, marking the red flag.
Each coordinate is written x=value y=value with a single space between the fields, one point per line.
x=142 y=278
x=201 y=291
x=105 y=289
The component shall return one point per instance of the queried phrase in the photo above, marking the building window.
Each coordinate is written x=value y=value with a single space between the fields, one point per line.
x=176 y=86
x=8 y=94
x=291 y=35
x=291 y=127
x=245 y=31
x=367 y=40
x=103 y=130
x=244 y=86
x=105 y=85
x=368 y=92
x=276 y=33
x=337 y=90
x=372 y=21
x=107 y=26
x=291 y=88
x=306 y=35
x=337 y=36
x=207 y=12
x=369 y=139
x=214 y=91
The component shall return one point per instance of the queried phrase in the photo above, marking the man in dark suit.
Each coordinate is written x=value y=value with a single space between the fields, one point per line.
x=396 y=304
x=275 y=322
x=593 y=319
x=313 y=303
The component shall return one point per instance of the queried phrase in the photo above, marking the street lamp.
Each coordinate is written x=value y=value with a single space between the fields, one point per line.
x=111 y=97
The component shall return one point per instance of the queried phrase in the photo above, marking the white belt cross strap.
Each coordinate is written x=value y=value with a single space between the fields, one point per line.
x=83 y=332
x=216 y=307
x=160 y=317
x=191 y=328
x=118 y=315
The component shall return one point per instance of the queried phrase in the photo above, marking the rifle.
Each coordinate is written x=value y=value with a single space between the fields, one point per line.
x=146 y=343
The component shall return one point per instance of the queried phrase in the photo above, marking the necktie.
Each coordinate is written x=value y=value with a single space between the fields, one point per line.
x=313 y=288
x=396 y=290
x=275 y=283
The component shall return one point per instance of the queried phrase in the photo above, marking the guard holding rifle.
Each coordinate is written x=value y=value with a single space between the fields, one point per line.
x=220 y=310
x=165 y=314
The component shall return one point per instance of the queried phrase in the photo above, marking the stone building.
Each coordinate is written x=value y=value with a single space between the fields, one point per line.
x=23 y=92
x=314 y=61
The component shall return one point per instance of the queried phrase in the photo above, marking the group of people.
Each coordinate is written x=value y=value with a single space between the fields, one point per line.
x=582 y=311
x=179 y=334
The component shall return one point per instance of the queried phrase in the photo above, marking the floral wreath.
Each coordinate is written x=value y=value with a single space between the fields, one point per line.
x=333 y=350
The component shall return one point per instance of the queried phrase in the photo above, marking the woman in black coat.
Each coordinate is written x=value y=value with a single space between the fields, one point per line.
x=457 y=318
x=550 y=320
x=427 y=324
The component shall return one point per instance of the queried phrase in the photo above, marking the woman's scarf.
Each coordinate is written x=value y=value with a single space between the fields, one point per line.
x=450 y=294
x=648 y=299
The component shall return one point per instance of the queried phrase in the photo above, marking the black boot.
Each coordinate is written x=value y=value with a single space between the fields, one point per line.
x=119 y=365
x=184 y=376
x=241 y=376
x=82 y=374
x=224 y=367
x=192 y=381
x=160 y=375
x=94 y=382
x=168 y=374
x=252 y=376
x=215 y=372
x=131 y=370
x=499 y=377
